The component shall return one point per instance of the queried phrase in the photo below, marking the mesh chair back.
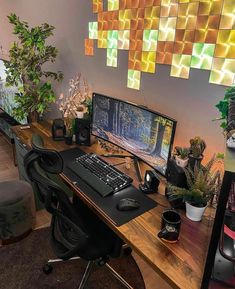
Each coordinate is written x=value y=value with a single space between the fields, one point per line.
x=68 y=232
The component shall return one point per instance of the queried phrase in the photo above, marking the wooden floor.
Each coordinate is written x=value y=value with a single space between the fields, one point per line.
x=9 y=172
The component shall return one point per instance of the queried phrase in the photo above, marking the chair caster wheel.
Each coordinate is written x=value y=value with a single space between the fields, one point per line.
x=47 y=269
x=127 y=251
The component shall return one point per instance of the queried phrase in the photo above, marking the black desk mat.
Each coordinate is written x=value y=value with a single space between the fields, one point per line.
x=108 y=204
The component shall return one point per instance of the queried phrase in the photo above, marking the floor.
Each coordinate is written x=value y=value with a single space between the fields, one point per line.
x=9 y=172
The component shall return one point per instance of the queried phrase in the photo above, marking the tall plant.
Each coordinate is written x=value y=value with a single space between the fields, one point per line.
x=25 y=69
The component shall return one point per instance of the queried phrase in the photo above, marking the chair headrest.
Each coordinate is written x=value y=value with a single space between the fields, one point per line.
x=50 y=160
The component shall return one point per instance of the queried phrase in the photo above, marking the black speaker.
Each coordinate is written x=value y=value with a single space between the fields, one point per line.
x=175 y=175
x=151 y=183
x=83 y=131
x=58 y=129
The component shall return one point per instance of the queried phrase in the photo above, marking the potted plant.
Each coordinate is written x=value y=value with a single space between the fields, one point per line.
x=77 y=102
x=197 y=147
x=203 y=183
x=25 y=68
x=181 y=156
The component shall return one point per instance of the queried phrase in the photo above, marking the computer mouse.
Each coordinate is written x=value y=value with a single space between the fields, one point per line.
x=128 y=204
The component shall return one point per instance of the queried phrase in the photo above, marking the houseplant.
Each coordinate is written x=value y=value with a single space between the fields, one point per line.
x=197 y=147
x=76 y=103
x=226 y=107
x=203 y=183
x=181 y=156
x=25 y=68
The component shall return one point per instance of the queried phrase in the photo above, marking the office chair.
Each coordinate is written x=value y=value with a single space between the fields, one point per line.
x=75 y=230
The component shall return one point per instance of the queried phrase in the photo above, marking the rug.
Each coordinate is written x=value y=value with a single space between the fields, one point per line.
x=21 y=268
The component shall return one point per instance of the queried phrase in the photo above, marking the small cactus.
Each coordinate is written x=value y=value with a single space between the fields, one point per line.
x=197 y=146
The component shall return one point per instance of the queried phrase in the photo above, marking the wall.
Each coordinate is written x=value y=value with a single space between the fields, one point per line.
x=191 y=102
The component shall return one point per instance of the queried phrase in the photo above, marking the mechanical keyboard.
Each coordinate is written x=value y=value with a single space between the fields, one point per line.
x=100 y=175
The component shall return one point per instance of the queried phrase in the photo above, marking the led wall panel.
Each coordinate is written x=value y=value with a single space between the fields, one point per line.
x=186 y=34
x=89 y=47
x=133 y=79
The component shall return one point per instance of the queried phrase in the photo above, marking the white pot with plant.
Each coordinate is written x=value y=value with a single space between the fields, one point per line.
x=181 y=156
x=80 y=112
x=203 y=183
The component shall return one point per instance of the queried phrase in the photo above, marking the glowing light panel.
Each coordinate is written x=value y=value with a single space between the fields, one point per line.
x=186 y=34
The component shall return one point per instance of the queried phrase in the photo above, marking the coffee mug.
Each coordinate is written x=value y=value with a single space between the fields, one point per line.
x=170 y=227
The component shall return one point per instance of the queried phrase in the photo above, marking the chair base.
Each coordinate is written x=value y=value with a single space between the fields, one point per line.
x=88 y=270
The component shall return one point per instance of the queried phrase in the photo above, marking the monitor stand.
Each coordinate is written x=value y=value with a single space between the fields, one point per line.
x=135 y=159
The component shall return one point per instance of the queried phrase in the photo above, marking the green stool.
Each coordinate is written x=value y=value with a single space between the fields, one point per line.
x=17 y=210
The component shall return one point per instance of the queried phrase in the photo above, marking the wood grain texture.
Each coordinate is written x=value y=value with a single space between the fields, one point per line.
x=180 y=264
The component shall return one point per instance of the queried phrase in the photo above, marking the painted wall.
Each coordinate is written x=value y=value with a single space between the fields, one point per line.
x=191 y=102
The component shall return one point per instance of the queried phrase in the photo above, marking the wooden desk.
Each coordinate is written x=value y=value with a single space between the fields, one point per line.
x=180 y=264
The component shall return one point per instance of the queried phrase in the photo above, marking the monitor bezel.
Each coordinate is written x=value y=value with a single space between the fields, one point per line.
x=144 y=108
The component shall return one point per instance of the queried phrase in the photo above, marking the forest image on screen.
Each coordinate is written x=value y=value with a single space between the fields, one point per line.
x=139 y=131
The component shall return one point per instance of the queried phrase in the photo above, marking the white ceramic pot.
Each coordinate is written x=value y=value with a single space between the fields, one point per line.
x=180 y=162
x=194 y=213
x=80 y=114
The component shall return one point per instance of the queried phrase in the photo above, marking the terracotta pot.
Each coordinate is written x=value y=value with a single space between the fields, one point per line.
x=194 y=213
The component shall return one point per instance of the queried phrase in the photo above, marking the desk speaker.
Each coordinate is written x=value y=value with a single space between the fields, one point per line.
x=151 y=183
x=58 y=129
x=83 y=131
x=175 y=175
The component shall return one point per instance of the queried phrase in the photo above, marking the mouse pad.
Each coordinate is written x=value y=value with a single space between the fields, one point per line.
x=108 y=204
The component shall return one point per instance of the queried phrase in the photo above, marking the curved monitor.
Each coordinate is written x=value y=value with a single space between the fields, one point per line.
x=7 y=94
x=144 y=133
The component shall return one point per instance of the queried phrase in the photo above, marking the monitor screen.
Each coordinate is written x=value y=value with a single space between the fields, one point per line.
x=144 y=133
x=7 y=94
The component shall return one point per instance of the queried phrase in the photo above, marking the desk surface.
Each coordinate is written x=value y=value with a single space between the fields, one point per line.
x=180 y=264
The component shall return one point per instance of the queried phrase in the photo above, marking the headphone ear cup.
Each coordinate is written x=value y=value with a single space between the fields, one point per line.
x=83 y=131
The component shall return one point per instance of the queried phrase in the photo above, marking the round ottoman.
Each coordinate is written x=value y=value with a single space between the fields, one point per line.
x=17 y=210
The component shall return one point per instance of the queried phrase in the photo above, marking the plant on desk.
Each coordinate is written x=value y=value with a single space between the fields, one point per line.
x=77 y=102
x=181 y=156
x=25 y=68
x=203 y=183
x=197 y=147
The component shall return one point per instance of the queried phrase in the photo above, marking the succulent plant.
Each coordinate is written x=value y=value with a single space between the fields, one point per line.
x=182 y=152
x=203 y=182
x=197 y=147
